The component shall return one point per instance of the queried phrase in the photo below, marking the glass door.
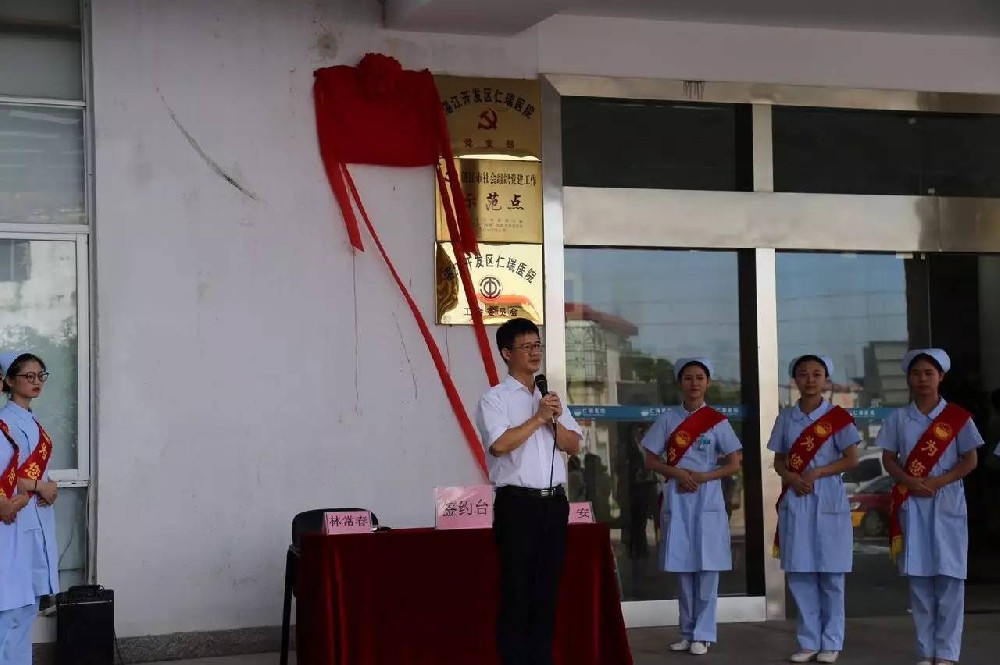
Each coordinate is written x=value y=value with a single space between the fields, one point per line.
x=865 y=311
x=963 y=295
x=630 y=314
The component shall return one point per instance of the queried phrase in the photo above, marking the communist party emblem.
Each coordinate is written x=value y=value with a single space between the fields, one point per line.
x=682 y=439
x=943 y=431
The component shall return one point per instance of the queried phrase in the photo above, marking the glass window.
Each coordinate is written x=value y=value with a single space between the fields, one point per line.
x=838 y=151
x=630 y=314
x=26 y=13
x=656 y=145
x=43 y=179
x=42 y=176
x=41 y=65
x=71 y=534
x=40 y=48
x=850 y=151
x=40 y=315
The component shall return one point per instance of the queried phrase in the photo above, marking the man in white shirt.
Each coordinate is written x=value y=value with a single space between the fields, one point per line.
x=520 y=429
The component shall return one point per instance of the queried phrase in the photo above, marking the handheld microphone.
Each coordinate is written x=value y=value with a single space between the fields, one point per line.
x=543 y=387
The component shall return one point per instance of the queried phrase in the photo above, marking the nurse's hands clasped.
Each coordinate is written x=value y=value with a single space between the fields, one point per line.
x=47 y=493
x=687 y=481
x=9 y=508
x=801 y=484
x=925 y=487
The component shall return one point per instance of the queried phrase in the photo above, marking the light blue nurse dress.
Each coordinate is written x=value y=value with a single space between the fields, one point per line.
x=815 y=530
x=935 y=529
x=695 y=525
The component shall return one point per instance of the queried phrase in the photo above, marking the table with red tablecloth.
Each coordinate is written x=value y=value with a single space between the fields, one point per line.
x=429 y=597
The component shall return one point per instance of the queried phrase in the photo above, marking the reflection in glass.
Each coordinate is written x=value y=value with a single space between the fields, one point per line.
x=38 y=300
x=853 y=308
x=630 y=314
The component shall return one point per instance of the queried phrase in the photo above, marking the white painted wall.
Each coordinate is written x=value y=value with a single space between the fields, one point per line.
x=227 y=327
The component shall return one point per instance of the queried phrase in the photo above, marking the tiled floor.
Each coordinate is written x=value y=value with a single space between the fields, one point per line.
x=885 y=641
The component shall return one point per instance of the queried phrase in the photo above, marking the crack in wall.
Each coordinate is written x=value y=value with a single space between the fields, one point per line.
x=221 y=172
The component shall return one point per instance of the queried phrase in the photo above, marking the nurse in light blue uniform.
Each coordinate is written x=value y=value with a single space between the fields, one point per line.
x=35 y=570
x=17 y=602
x=814 y=521
x=934 y=518
x=693 y=518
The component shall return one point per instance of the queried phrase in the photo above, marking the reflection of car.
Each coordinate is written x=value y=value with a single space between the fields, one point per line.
x=870 y=506
x=869 y=468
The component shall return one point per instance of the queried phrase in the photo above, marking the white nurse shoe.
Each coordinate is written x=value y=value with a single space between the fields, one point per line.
x=684 y=645
x=804 y=656
x=699 y=648
x=827 y=656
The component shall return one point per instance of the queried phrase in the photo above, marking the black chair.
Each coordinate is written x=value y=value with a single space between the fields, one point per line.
x=310 y=521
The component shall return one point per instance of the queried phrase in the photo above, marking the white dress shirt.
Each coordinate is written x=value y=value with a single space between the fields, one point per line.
x=510 y=404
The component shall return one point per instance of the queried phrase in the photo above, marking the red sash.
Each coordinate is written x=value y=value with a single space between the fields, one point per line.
x=804 y=449
x=694 y=426
x=8 y=481
x=33 y=468
x=924 y=457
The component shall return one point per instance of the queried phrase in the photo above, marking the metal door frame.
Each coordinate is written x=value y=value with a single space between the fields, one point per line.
x=763 y=221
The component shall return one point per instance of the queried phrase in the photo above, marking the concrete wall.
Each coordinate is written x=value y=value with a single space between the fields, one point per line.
x=248 y=365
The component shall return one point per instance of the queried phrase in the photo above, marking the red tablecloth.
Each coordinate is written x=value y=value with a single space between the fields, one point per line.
x=420 y=596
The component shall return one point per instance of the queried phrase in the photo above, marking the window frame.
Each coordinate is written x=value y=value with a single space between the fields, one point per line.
x=81 y=476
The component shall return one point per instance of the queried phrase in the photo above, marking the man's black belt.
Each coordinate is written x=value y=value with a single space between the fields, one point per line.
x=544 y=493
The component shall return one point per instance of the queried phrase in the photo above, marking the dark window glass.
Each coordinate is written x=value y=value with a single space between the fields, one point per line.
x=960 y=154
x=841 y=151
x=656 y=145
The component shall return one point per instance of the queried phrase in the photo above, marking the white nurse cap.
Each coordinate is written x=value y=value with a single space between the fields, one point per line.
x=684 y=362
x=810 y=356
x=940 y=356
x=7 y=359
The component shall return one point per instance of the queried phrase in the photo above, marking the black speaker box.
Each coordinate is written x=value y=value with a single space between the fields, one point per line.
x=85 y=626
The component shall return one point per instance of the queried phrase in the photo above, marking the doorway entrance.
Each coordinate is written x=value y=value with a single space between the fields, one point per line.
x=754 y=223
x=865 y=311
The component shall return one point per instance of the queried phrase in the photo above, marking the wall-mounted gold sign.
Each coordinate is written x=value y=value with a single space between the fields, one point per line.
x=489 y=117
x=507 y=279
x=504 y=199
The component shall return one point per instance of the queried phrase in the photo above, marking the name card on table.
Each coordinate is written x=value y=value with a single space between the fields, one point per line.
x=468 y=507
x=359 y=521
x=581 y=513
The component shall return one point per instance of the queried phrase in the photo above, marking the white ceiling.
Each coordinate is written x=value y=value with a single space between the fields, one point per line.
x=506 y=17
